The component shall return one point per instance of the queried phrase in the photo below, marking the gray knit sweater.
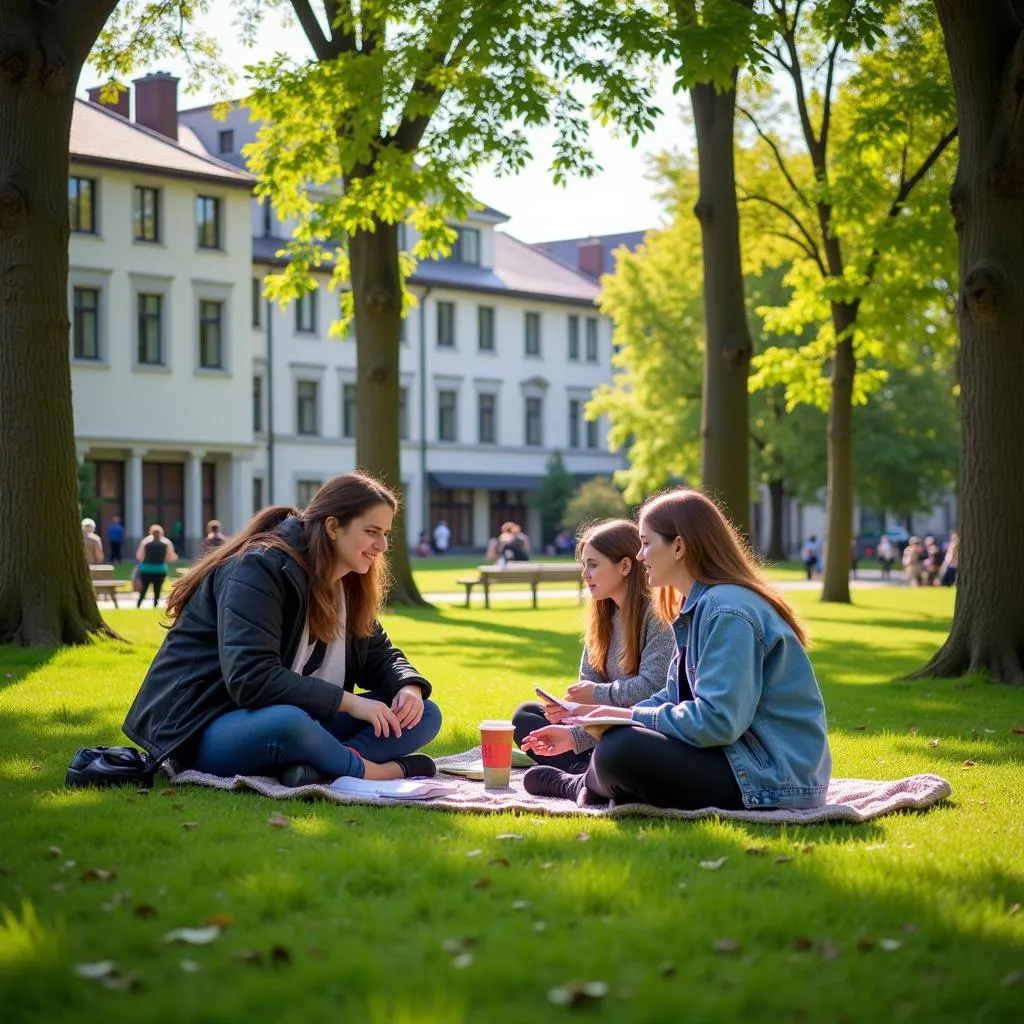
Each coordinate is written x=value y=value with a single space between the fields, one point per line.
x=655 y=655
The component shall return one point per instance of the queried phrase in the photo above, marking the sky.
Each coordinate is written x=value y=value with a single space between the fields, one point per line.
x=619 y=198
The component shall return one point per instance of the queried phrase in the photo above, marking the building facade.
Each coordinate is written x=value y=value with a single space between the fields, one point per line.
x=195 y=398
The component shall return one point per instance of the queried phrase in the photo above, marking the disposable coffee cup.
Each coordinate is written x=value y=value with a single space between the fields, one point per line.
x=496 y=753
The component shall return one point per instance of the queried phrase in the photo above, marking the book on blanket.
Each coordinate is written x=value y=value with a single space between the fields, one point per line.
x=393 y=789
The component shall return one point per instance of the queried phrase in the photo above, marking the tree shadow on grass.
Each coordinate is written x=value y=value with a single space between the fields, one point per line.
x=18 y=662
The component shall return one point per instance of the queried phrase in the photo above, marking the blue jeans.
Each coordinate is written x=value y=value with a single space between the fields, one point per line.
x=264 y=741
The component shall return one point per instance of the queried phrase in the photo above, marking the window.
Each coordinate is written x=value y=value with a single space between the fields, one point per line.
x=86 y=323
x=151 y=329
x=534 y=411
x=533 y=334
x=82 y=205
x=485 y=328
x=211 y=334
x=226 y=141
x=467 y=246
x=592 y=434
x=403 y=414
x=485 y=418
x=591 y=339
x=446 y=324
x=574 y=337
x=446 y=420
x=207 y=222
x=305 y=313
x=305 y=490
x=307 y=413
x=348 y=410
x=146 y=214
x=257 y=407
x=268 y=217
x=257 y=301
x=574 y=423
x=257 y=494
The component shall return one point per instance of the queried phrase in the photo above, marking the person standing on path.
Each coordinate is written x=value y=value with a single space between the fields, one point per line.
x=153 y=555
x=115 y=538
x=442 y=537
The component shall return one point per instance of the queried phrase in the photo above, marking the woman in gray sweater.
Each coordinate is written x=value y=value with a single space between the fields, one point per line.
x=626 y=651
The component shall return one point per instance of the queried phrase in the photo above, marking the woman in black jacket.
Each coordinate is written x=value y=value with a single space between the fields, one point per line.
x=271 y=632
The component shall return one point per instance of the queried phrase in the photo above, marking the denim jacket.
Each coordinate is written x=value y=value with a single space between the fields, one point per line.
x=754 y=694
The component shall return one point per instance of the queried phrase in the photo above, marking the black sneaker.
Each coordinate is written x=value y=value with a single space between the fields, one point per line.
x=300 y=775
x=547 y=781
x=418 y=766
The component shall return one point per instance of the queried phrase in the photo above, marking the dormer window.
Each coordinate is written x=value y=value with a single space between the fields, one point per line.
x=467 y=247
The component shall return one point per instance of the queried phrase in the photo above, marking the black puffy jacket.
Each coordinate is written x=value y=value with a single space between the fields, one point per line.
x=232 y=648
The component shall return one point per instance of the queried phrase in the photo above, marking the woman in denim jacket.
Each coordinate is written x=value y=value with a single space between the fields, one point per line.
x=740 y=723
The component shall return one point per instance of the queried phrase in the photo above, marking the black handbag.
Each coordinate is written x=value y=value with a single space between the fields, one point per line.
x=111 y=766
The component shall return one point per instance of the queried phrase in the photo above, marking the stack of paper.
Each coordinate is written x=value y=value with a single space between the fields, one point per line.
x=397 y=789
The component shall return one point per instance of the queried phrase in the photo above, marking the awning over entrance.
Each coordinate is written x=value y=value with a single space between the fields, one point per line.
x=455 y=481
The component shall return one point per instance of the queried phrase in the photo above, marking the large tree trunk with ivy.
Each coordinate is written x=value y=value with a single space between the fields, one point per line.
x=836 y=576
x=725 y=438
x=985 y=44
x=46 y=597
x=377 y=299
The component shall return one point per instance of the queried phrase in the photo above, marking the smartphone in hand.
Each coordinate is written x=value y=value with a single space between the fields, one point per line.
x=566 y=705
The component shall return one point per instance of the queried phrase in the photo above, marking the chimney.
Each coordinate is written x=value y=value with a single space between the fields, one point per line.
x=590 y=257
x=156 y=103
x=120 y=107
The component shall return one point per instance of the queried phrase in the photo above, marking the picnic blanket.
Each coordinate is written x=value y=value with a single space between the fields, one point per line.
x=855 y=800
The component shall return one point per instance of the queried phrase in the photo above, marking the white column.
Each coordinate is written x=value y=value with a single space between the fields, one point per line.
x=194 y=525
x=133 y=525
x=240 y=504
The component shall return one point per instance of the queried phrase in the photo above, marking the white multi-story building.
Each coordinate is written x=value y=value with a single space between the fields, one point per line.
x=227 y=403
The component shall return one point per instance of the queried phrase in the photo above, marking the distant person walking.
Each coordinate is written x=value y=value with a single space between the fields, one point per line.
x=153 y=555
x=214 y=536
x=442 y=537
x=809 y=555
x=115 y=538
x=947 y=576
x=886 y=556
x=913 y=561
x=92 y=543
x=932 y=562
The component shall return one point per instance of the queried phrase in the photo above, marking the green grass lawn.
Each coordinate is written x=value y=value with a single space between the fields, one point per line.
x=358 y=902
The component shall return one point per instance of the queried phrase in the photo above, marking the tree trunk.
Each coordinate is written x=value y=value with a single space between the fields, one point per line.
x=46 y=597
x=836 y=576
x=725 y=438
x=985 y=45
x=377 y=297
x=777 y=493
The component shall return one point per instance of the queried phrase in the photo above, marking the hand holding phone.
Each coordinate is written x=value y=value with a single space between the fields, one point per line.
x=565 y=705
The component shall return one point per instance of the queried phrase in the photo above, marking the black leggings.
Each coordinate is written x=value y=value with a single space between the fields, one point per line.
x=157 y=581
x=634 y=765
x=530 y=716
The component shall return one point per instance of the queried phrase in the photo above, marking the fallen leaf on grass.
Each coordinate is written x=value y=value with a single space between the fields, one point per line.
x=866 y=944
x=969 y=764
x=499 y=862
x=913 y=730
x=783 y=860
x=482 y=883
x=36 y=766
x=219 y=921
x=53 y=851
x=122 y=982
x=98 y=875
x=725 y=946
x=584 y=837
x=547 y=865
x=667 y=969
x=193 y=936
x=1018 y=730
x=509 y=835
x=713 y=865
x=280 y=956
x=168 y=792
x=521 y=905
x=249 y=956
x=177 y=807
x=756 y=851
x=1013 y=908
x=97 y=970
x=802 y=944
x=933 y=742
x=190 y=824
x=277 y=820
x=578 y=993
x=353 y=821
x=890 y=945
x=144 y=910
x=807 y=848
x=463 y=960
x=475 y=853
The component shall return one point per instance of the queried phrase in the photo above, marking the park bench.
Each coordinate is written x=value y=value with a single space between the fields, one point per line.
x=103 y=582
x=521 y=574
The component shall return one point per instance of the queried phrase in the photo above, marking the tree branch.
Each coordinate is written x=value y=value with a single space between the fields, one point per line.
x=340 y=20
x=906 y=187
x=826 y=114
x=814 y=145
x=312 y=28
x=809 y=246
x=773 y=146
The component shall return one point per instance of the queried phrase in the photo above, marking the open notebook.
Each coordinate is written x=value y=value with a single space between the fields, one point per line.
x=397 y=789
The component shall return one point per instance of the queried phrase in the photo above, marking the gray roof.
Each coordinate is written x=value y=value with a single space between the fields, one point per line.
x=100 y=136
x=519 y=271
x=566 y=250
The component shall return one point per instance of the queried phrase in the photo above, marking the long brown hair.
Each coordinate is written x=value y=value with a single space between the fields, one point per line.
x=714 y=552
x=344 y=498
x=617 y=539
